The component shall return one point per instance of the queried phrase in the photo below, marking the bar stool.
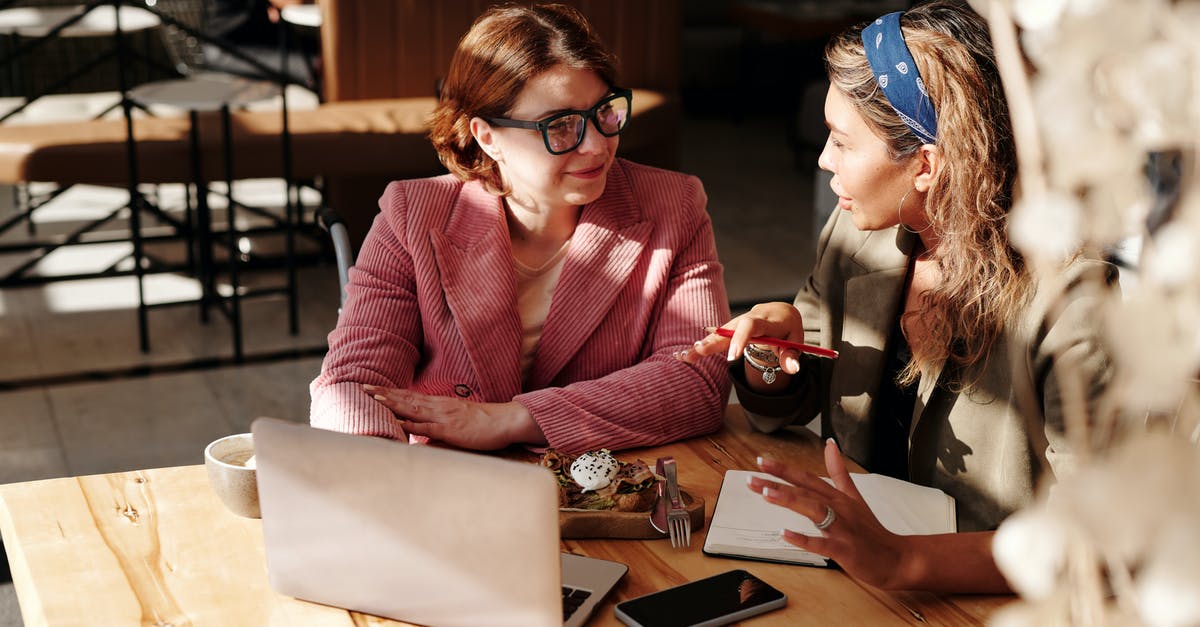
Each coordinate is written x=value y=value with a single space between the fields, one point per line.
x=40 y=25
x=304 y=17
x=97 y=18
x=216 y=93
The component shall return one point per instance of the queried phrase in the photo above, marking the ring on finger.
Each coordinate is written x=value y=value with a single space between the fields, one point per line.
x=763 y=354
x=828 y=520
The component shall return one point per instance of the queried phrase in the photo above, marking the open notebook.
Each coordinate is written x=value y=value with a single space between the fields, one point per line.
x=744 y=525
x=417 y=533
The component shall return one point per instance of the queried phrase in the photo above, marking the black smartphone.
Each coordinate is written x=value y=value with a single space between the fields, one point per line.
x=717 y=600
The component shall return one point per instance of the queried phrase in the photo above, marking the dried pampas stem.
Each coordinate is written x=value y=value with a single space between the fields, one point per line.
x=1011 y=64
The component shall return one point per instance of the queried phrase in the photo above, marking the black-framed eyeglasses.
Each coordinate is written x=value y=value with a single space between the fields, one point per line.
x=563 y=131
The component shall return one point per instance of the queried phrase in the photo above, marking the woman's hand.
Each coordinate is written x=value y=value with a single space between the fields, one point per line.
x=854 y=539
x=458 y=422
x=780 y=320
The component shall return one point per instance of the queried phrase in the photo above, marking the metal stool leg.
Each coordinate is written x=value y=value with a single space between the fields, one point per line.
x=290 y=209
x=23 y=199
x=235 y=305
x=135 y=198
x=206 y=272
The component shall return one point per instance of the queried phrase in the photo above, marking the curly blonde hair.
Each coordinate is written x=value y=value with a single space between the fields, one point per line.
x=505 y=48
x=985 y=282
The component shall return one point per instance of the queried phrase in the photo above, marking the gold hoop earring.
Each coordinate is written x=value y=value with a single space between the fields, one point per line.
x=900 y=218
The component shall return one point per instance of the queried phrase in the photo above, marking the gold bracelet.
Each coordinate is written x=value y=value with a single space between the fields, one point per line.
x=768 y=372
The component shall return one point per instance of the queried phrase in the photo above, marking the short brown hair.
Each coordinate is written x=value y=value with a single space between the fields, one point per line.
x=505 y=48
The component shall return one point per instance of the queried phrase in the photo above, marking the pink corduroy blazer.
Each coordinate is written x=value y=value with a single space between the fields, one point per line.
x=431 y=306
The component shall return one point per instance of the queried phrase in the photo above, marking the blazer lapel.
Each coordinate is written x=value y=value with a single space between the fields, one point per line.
x=474 y=259
x=872 y=302
x=926 y=388
x=604 y=250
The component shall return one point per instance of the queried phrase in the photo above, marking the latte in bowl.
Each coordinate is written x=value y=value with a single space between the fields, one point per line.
x=231 y=473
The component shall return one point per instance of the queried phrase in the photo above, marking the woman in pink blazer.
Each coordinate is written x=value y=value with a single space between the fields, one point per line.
x=536 y=295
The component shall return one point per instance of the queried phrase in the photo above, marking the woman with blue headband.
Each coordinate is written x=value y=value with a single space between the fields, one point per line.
x=953 y=358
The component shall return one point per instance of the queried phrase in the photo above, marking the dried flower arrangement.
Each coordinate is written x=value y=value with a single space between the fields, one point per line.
x=1105 y=106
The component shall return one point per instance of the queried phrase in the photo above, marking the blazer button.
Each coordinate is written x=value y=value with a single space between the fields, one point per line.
x=462 y=390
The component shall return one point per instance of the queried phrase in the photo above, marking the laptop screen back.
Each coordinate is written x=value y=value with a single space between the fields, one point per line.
x=415 y=533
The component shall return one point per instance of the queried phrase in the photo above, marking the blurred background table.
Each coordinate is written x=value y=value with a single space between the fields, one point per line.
x=38 y=21
x=308 y=15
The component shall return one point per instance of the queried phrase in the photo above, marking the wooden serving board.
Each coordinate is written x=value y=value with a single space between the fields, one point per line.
x=584 y=523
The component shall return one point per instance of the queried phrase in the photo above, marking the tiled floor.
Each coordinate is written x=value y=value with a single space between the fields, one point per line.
x=68 y=335
x=95 y=414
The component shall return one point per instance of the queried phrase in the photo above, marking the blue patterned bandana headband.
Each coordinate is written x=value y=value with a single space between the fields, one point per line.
x=898 y=77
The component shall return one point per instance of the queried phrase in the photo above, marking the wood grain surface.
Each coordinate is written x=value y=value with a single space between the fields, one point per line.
x=156 y=547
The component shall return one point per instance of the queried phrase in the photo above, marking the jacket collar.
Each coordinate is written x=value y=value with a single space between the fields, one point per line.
x=606 y=247
x=474 y=257
x=873 y=300
x=474 y=260
x=873 y=295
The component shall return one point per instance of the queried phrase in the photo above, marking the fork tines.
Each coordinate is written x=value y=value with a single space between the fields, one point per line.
x=679 y=525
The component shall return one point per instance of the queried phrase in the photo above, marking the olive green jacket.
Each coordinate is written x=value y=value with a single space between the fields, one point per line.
x=986 y=447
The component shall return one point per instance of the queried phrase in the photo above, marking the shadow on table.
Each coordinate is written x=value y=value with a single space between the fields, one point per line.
x=5 y=573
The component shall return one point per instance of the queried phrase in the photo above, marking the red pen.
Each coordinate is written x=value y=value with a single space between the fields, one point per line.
x=774 y=341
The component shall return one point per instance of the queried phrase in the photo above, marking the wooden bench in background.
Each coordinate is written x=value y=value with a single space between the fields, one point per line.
x=381 y=60
x=351 y=138
x=398 y=50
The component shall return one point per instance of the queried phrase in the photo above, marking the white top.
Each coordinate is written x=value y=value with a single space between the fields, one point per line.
x=38 y=21
x=535 y=289
x=302 y=15
x=205 y=91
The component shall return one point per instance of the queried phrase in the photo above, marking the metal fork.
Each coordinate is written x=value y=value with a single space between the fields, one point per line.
x=679 y=524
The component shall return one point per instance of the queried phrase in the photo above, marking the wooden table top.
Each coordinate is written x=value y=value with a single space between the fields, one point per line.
x=156 y=547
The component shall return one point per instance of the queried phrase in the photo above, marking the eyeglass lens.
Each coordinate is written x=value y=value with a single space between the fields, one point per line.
x=565 y=133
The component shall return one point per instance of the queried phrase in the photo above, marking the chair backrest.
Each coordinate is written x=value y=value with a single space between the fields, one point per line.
x=374 y=49
x=185 y=50
x=343 y=251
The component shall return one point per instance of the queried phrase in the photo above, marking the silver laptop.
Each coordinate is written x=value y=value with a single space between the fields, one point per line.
x=416 y=533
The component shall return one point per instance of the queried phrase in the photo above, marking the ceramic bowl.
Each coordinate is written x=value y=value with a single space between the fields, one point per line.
x=230 y=465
